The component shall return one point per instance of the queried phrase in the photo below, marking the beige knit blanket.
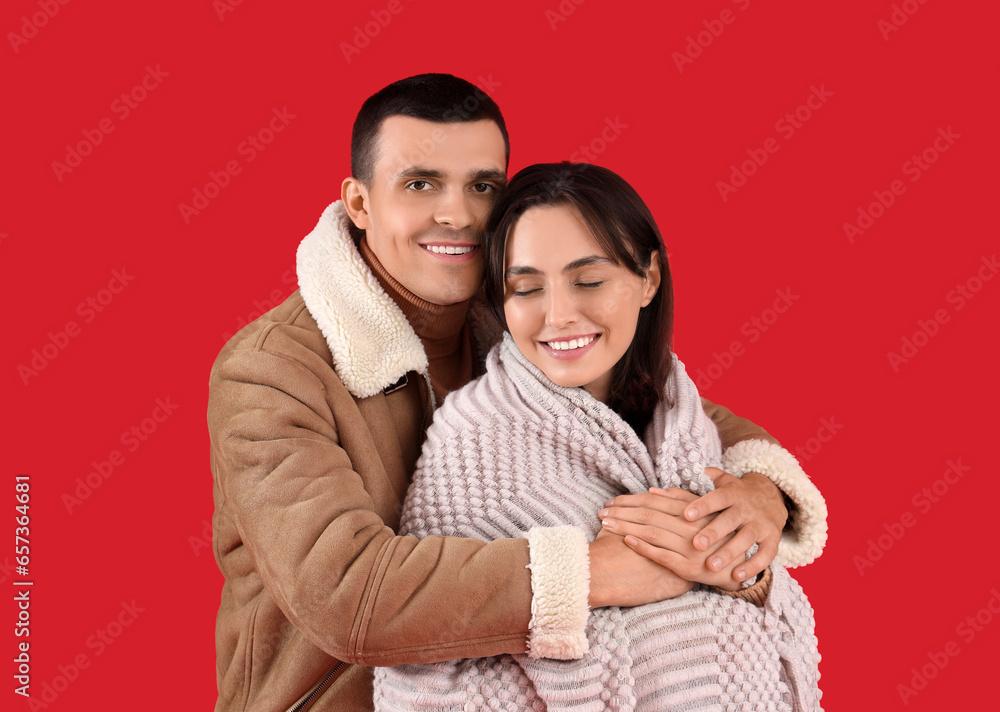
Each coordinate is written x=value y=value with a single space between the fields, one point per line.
x=512 y=451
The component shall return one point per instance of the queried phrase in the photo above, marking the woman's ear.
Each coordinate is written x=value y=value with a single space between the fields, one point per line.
x=355 y=197
x=652 y=278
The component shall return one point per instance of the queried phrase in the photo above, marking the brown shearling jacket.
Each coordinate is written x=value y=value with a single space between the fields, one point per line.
x=311 y=455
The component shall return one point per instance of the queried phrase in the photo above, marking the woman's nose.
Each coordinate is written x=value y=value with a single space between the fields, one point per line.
x=561 y=309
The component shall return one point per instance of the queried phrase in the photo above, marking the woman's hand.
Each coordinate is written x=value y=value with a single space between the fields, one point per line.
x=655 y=526
x=621 y=577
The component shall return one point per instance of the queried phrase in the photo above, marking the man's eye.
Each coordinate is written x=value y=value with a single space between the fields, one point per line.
x=419 y=185
x=483 y=187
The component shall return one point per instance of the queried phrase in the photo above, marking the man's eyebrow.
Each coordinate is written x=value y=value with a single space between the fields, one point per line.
x=475 y=176
x=590 y=260
x=419 y=172
x=491 y=174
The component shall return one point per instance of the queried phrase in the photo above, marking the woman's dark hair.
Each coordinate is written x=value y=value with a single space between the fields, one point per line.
x=624 y=228
x=441 y=98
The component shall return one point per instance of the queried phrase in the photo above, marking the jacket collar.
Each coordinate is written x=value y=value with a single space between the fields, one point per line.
x=372 y=343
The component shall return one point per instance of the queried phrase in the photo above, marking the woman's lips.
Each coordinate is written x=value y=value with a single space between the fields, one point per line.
x=571 y=348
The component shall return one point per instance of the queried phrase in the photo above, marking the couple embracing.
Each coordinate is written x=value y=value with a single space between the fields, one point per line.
x=567 y=541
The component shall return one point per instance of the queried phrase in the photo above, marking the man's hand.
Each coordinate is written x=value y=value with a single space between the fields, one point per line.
x=621 y=577
x=751 y=506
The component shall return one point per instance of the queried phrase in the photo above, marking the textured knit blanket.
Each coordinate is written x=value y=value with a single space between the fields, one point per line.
x=512 y=452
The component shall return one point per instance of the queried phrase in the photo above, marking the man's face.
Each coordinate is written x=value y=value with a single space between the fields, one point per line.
x=432 y=187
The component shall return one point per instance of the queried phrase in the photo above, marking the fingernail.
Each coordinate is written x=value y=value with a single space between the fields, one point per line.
x=631 y=540
x=608 y=523
x=609 y=502
x=691 y=513
x=603 y=513
x=741 y=574
x=715 y=563
x=703 y=540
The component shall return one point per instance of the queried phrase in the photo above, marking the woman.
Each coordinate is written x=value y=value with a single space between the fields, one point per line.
x=582 y=401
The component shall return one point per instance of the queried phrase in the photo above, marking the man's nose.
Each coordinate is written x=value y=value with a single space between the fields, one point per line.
x=456 y=210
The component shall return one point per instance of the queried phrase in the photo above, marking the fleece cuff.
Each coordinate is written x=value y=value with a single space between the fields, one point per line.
x=804 y=540
x=560 y=588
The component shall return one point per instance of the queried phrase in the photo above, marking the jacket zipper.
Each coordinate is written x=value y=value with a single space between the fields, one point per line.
x=305 y=701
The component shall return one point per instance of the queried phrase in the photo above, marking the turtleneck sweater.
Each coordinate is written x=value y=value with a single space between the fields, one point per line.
x=443 y=330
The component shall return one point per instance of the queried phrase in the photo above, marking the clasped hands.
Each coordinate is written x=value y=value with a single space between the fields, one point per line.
x=657 y=545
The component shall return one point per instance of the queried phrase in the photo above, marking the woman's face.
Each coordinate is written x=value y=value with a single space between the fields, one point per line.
x=571 y=310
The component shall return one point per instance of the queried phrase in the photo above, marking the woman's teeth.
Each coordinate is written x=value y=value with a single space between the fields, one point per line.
x=571 y=344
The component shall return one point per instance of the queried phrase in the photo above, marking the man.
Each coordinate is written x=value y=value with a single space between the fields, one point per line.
x=317 y=411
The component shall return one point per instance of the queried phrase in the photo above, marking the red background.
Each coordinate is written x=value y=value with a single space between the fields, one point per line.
x=559 y=78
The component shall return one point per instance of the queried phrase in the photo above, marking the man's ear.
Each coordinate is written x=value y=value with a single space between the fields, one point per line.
x=355 y=197
x=652 y=278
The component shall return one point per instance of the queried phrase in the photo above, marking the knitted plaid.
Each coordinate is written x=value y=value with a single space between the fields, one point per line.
x=513 y=451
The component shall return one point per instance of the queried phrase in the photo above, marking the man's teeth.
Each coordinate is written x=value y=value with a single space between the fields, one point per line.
x=571 y=344
x=449 y=249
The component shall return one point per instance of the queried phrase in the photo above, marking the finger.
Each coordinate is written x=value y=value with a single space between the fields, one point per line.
x=714 y=501
x=664 y=557
x=674 y=493
x=644 y=510
x=719 y=527
x=756 y=563
x=714 y=472
x=734 y=551
x=675 y=538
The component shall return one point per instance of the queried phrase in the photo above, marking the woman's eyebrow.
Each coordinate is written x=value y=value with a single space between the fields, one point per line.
x=517 y=271
x=587 y=262
x=590 y=260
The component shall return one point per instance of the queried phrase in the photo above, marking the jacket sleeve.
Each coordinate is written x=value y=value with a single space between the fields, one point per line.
x=749 y=448
x=281 y=431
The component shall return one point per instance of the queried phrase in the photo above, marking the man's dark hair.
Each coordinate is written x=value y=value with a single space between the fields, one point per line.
x=441 y=98
x=625 y=229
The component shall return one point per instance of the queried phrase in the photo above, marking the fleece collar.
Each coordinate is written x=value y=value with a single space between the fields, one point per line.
x=372 y=343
